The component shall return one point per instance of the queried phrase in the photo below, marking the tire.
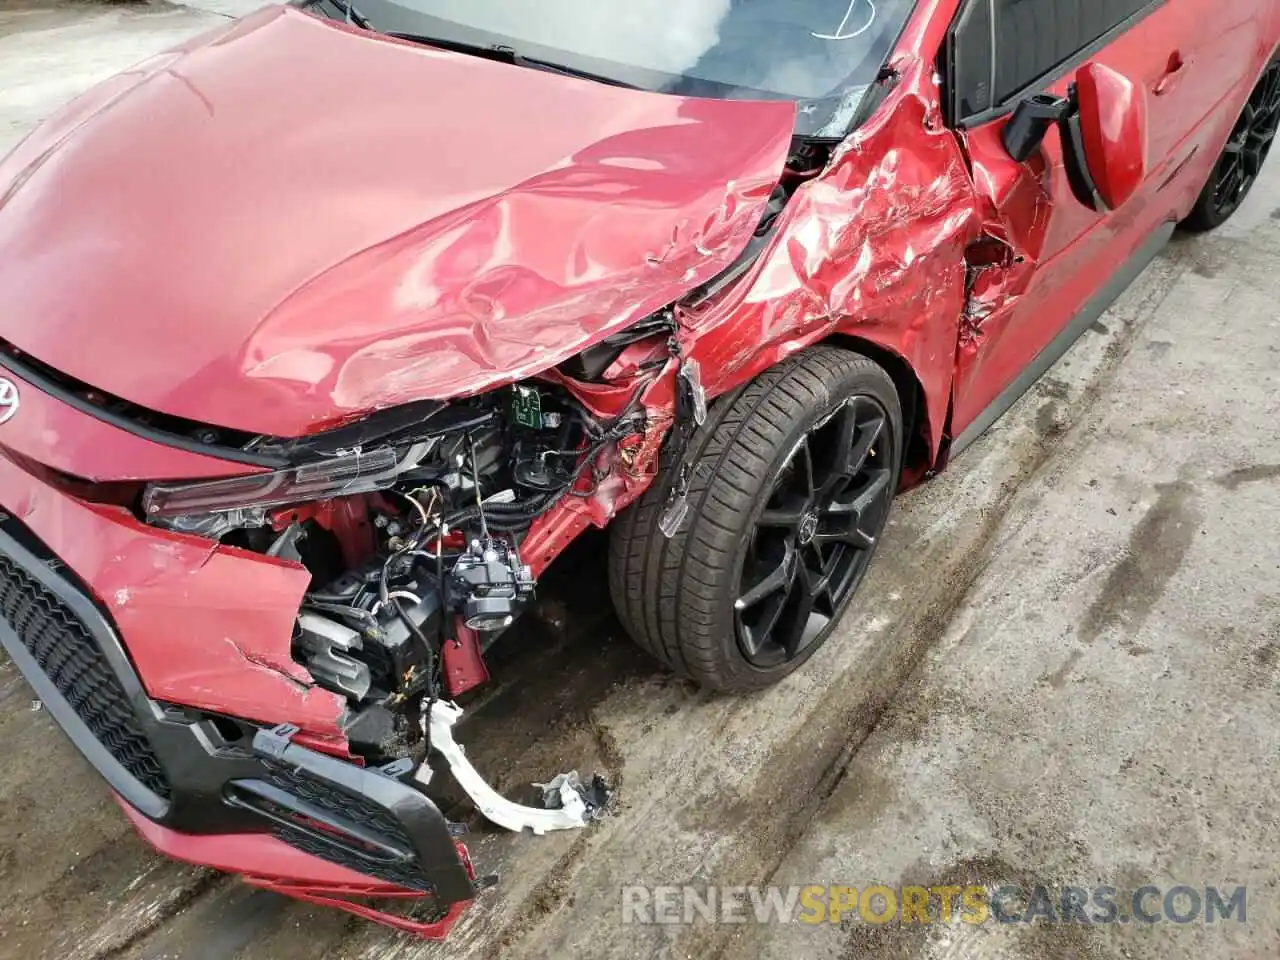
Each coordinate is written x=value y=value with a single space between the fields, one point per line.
x=682 y=599
x=1238 y=166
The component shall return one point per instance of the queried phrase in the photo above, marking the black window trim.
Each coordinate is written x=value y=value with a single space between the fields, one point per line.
x=1037 y=84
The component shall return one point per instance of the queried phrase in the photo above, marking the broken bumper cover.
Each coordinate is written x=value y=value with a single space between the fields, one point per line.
x=202 y=786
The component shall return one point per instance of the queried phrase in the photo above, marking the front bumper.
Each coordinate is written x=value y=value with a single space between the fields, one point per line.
x=204 y=784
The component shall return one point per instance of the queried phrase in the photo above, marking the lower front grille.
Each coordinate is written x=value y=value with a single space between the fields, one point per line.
x=368 y=820
x=344 y=805
x=69 y=655
x=346 y=856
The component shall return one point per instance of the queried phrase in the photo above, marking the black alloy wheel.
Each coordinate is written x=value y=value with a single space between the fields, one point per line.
x=789 y=491
x=813 y=541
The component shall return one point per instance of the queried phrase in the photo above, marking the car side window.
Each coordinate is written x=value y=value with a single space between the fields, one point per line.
x=999 y=48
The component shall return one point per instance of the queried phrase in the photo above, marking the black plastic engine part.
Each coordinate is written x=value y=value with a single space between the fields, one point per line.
x=397 y=662
x=491 y=585
x=329 y=651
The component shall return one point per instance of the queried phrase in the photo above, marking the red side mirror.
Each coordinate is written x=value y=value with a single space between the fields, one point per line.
x=1113 y=131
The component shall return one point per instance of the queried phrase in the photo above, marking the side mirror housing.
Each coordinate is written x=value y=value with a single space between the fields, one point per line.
x=1103 y=124
x=1113 y=131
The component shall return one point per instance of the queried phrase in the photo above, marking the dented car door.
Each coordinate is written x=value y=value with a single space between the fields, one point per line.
x=1050 y=264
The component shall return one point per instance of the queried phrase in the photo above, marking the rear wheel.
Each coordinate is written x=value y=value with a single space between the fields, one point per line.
x=1241 y=161
x=789 y=493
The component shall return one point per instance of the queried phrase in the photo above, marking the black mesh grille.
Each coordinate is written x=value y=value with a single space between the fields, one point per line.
x=69 y=655
x=351 y=807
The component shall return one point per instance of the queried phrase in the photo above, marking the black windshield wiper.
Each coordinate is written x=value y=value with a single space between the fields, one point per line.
x=505 y=54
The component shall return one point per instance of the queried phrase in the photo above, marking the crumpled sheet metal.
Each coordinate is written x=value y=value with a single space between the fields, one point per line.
x=518 y=282
x=872 y=247
x=195 y=633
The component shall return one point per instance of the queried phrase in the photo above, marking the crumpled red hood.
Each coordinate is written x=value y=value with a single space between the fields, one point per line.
x=291 y=222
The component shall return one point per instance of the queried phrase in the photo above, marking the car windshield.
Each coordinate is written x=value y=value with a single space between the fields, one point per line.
x=824 y=54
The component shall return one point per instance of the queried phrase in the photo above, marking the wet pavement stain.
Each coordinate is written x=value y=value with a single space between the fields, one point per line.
x=1154 y=553
x=919 y=709
x=863 y=789
x=1252 y=474
x=1058 y=678
x=555 y=891
x=1049 y=421
x=960 y=940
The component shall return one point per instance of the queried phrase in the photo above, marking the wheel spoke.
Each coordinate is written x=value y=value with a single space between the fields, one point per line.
x=1250 y=163
x=1238 y=177
x=847 y=517
x=787 y=518
x=807 y=456
x=868 y=436
x=876 y=486
x=856 y=538
x=1271 y=96
x=756 y=636
x=815 y=576
x=1231 y=179
x=855 y=442
x=778 y=578
x=834 y=465
x=793 y=642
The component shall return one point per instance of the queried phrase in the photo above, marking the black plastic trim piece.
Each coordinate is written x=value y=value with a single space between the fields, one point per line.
x=71 y=393
x=248 y=793
x=433 y=856
x=1050 y=354
x=1038 y=84
x=1076 y=165
x=407 y=422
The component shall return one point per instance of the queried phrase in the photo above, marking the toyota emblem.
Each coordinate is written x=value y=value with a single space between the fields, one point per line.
x=8 y=400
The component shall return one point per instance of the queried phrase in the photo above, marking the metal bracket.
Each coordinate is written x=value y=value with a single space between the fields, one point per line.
x=573 y=812
x=691 y=413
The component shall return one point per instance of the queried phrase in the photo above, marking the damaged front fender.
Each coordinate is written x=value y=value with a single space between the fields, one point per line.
x=872 y=247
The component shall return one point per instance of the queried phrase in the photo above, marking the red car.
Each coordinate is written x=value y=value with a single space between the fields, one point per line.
x=325 y=333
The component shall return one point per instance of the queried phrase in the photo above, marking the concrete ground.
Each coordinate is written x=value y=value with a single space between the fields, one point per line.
x=1063 y=670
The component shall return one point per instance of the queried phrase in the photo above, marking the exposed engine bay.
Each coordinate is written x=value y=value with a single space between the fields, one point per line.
x=411 y=529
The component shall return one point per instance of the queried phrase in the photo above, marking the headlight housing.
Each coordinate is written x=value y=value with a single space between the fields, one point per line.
x=351 y=473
